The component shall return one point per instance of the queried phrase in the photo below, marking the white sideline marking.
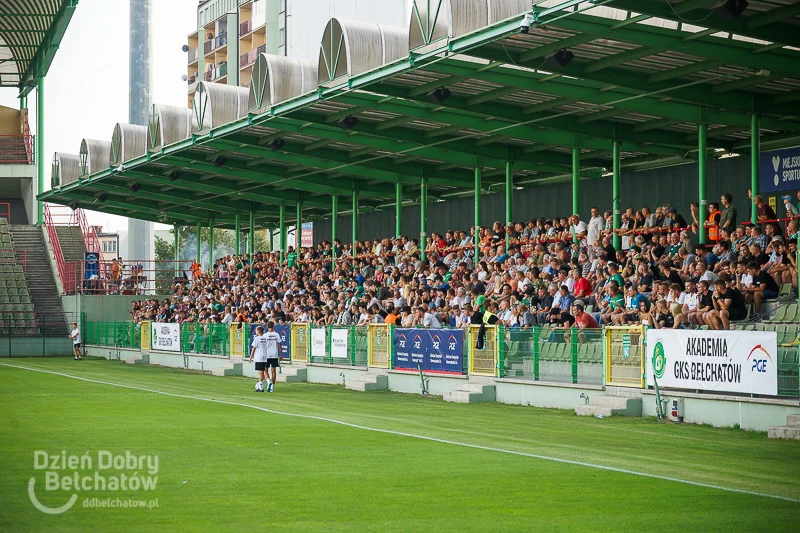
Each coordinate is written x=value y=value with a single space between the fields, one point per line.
x=415 y=436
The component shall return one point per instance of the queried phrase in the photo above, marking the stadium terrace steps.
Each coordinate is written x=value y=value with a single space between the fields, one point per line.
x=369 y=382
x=790 y=431
x=72 y=244
x=292 y=374
x=610 y=406
x=39 y=275
x=471 y=393
x=141 y=359
x=229 y=369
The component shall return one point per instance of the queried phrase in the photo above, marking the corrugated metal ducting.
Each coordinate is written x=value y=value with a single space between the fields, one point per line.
x=94 y=156
x=217 y=104
x=279 y=78
x=169 y=124
x=127 y=142
x=66 y=169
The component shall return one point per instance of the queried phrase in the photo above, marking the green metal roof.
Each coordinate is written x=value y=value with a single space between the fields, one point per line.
x=30 y=33
x=646 y=82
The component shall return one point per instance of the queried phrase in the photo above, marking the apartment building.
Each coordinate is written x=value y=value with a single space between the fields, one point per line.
x=231 y=33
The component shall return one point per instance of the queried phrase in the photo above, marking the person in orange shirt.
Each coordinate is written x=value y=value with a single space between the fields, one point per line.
x=196 y=269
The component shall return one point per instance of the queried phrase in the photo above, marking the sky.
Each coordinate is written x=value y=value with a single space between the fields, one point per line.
x=86 y=89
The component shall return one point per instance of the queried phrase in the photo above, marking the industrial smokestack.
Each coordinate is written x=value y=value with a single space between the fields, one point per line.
x=141 y=245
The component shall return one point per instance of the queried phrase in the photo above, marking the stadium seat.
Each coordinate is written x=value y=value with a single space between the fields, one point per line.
x=7 y=246
x=25 y=299
x=785 y=291
x=5 y=237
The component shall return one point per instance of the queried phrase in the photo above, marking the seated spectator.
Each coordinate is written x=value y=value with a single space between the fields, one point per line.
x=763 y=287
x=728 y=305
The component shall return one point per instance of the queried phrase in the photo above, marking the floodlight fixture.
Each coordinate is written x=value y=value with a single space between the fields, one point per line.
x=439 y=95
x=348 y=123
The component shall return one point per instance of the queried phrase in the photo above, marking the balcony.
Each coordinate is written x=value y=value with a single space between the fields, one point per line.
x=193 y=55
x=216 y=73
x=16 y=149
x=245 y=27
x=221 y=40
x=208 y=47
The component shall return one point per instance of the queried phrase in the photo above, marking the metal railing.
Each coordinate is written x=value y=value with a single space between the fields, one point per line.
x=14 y=258
x=126 y=278
x=208 y=47
x=565 y=355
x=193 y=54
x=20 y=320
x=69 y=271
x=16 y=149
x=58 y=255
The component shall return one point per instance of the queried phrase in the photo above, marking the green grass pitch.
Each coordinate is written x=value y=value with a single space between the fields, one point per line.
x=226 y=467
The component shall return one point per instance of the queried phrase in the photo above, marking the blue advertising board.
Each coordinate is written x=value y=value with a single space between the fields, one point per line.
x=433 y=350
x=779 y=170
x=92 y=265
x=284 y=330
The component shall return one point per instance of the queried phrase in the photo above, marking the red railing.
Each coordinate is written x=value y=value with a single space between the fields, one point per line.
x=58 y=255
x=16 y=149
x=129 y=278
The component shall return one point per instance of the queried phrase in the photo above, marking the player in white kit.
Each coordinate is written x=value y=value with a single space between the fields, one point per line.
x=266 y=350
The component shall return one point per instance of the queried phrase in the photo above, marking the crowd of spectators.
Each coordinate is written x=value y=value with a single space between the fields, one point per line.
x=562 y=271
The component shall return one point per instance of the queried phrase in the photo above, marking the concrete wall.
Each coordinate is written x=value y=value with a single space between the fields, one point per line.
x=724 y=411
x=111 y=308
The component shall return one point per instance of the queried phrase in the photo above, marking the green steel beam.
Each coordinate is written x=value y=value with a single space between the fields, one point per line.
x=755 y=149
x=730 y=108
x=621 y=57
x=507 y=127
x=40 y=64
x=729 y=51
x=685 y=70
x=40 y=136
x=615 y=193
x=766 y=25
x=398 y=209
x=181 y=199
x=264 y=195
x=702 y=130
x=377 y=169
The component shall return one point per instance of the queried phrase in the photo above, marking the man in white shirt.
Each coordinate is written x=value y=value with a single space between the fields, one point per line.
x=75 y=335
x=594 y=228
x=426 y=319
x=266 y=349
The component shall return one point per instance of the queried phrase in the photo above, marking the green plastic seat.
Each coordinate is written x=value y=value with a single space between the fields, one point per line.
x=5 y=237
x=780 y=315
x=790 y=316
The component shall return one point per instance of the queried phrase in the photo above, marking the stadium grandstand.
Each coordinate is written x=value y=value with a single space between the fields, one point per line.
x=583 y=207
x=31 y=310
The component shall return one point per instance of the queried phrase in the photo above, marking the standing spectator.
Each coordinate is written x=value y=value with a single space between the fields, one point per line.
x=594 y=229
x=791 y=210
x=727 y=218
x=763 y=210
x=713 y=222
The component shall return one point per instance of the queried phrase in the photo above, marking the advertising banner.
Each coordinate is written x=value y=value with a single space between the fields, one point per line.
x=339 y=338
x=433 y=350
x=779 y=170
x=722 y=361
x=318 y=339
x=165 y=336
x=307 y=235
x=285 y=331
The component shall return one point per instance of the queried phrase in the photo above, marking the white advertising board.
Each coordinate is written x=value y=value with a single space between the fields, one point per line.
x=722 y=361
x=165 y=336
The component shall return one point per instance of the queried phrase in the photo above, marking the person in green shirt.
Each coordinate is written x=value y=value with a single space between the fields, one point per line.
x=291 y=257
x=613 y=271
x=727 y=219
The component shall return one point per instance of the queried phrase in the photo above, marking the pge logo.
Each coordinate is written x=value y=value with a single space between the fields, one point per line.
x=759 y=365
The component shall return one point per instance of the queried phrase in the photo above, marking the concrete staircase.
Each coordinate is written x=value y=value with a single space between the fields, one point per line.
x=229 y=369
x=72 y=244
x=41 y=284
x=141 y=359
x=471 y=393
x=610 y=406
x=790 y=431
x=369 y=382
x=292 y=374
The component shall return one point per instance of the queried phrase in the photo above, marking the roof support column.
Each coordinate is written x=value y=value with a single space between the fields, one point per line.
x=251 y=239
x=755 y=148
x=702 y=135
x=211 y=247
x=576 y=175
x=23 y=102
x=423 y=216
x=334 y=224
x=355 y=220
x=199 y=239
x=177 y=250
x=40 y=147
x=615 y=195
x=476 y=237
x=282 y=231
x=298 y=230
x=398 y=209
x=509 y=189
x=237 y=233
